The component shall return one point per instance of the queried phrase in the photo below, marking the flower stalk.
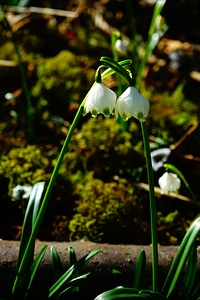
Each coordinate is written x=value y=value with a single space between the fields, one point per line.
x=153 y=217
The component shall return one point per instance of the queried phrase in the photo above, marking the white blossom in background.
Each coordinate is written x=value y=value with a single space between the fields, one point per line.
x=169 y=182
x=121 y=46
x=132 y=104
x=159 y=157
x=100 y=99
x=21 y=192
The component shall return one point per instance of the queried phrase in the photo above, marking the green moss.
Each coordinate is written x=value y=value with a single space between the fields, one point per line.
x=107 y=212
x=60 y=70
x=58 y=81
x=28 y=165
x=24 y=166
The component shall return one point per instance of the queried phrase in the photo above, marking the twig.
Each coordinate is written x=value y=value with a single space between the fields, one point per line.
x=145 y=187
x=42 y=10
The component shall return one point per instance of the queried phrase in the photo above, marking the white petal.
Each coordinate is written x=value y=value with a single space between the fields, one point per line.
x=132 y=104
x=141 y=105
x=100 y=99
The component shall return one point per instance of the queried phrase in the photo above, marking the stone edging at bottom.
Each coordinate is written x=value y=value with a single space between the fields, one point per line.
x=120 y=257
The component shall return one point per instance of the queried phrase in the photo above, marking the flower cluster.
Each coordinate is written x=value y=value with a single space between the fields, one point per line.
x=102 y=100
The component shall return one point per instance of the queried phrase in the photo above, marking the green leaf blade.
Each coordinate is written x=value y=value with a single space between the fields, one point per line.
x=57 y=265
x=140 y=271
x=36 y=265
x=69 y=273
x=180 y=259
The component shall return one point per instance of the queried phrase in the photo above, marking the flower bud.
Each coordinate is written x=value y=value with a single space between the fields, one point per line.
x=132 y=104
x=100 y=99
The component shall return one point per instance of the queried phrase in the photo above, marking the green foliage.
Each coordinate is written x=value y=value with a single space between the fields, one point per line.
x=170 y=112
x=24 y=166
x=107 y=212
x=28 y=165
x=175 y=284
x=27 y=264
x=122 y=293
x=58 y=81
x=8 y=52
x=63 y=69
x=69 y=281
x=181 y=281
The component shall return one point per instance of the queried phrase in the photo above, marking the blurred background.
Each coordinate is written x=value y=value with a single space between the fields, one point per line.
x=49 y=52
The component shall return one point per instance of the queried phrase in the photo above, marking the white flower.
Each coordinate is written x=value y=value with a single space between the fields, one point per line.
x=169 y=182
x=100 y=99
x=121 y=46
x=21 y=192
x=132 y=104
x=158 y=157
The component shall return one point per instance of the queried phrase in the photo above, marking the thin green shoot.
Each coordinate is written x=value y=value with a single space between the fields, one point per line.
x=154 y=34
x=170 y=167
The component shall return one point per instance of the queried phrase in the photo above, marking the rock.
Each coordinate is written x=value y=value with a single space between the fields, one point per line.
x=120 y=257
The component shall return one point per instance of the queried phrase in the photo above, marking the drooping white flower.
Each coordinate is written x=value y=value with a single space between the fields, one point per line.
x=169 y=182
x=132 y=104
x=100 y=99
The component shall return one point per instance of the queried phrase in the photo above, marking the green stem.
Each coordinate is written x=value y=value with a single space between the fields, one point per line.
x=153 y=217
x=26 y=257
x=135 y=38
x=150 y=44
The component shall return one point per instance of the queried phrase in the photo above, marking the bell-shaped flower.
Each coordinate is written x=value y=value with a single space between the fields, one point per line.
x=132 y=104
x=100 y=99
x=169 y=182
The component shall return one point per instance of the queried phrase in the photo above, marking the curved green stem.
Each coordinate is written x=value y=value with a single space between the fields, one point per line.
x=154 y=239
x=110 y=63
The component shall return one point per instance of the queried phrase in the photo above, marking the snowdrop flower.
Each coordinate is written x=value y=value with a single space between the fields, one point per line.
x=132 y=104
x=169 y=182
x=100 y=99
